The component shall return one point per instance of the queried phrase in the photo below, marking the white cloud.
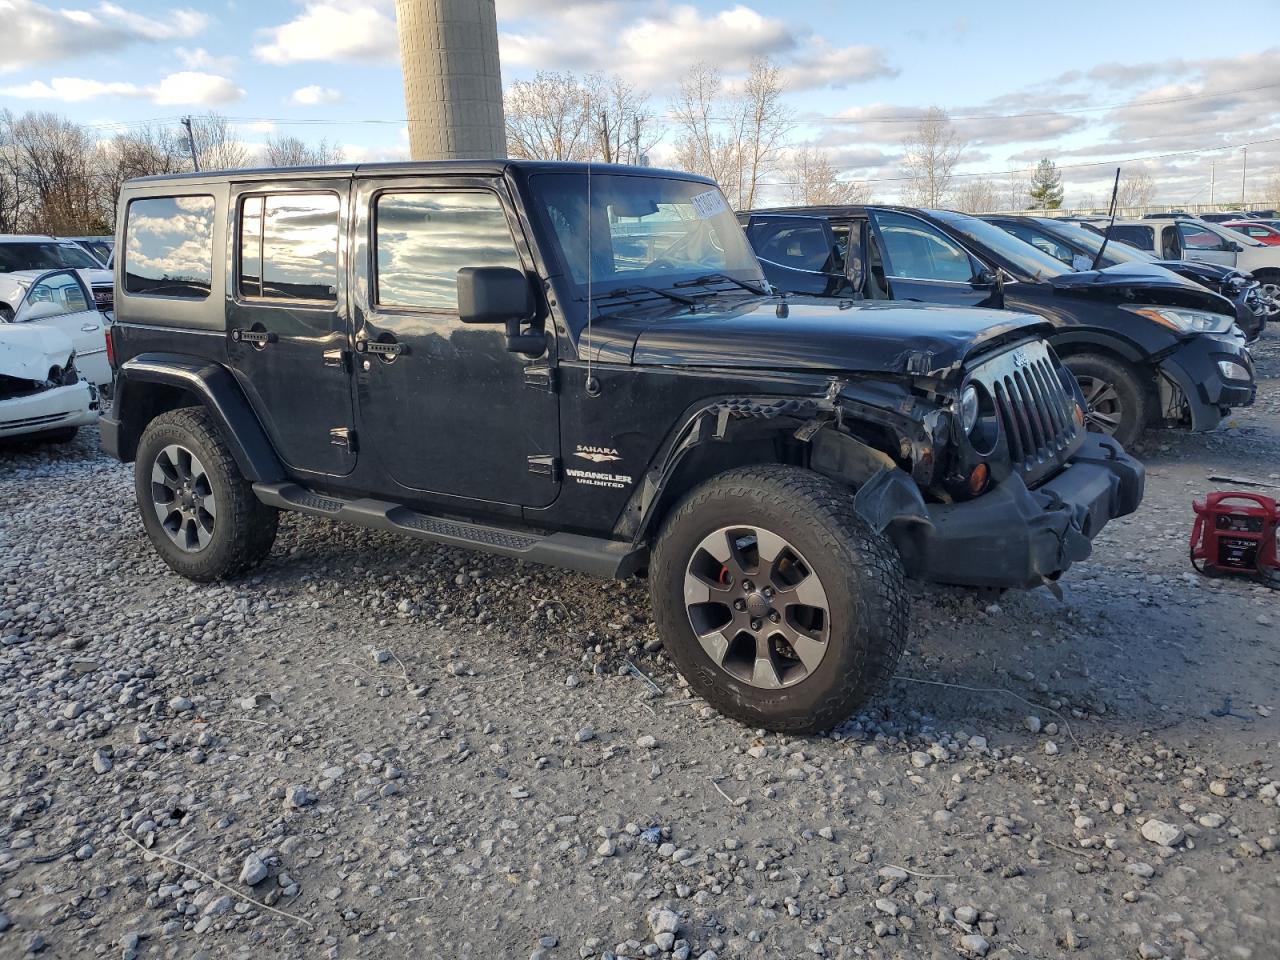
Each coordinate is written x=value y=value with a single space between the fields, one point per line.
x=198 y=58
x=36 y=33
x=331 y=30
x=822 y=65
x=315 y=96
x=193 y=87
x=186 y=88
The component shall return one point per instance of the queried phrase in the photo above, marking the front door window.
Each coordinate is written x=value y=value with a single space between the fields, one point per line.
x=917 y=251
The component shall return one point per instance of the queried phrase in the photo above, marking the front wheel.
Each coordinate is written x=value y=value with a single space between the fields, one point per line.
x=1116 y=399
x=198 y=509
x=778 y=604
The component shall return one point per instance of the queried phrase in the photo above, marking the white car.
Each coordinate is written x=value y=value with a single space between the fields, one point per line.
x=1188 y=238
x=60 y=299
x=23 y=252
x=41 y=393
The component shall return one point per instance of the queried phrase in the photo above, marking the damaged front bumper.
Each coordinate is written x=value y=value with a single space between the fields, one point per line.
x=1213 y=373
x=56 y=408
x=1015 y=537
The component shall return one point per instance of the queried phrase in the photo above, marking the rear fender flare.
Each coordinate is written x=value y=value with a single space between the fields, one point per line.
x=213 y=387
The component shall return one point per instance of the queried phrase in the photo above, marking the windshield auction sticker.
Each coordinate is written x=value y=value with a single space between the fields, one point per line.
x=708 y=204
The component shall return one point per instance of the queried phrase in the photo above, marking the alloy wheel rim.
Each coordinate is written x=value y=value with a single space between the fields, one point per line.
x=1272 y=292
x=182 y=496
x=1103 y=408
x=757 y=607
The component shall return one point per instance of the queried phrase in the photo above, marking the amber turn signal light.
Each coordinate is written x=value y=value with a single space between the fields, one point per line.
x=978 y=478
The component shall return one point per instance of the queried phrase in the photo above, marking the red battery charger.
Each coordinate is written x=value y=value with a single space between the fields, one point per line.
x=1235 y=535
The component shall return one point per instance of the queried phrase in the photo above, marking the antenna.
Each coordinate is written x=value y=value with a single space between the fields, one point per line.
x=1115 y=194
x=592 y=385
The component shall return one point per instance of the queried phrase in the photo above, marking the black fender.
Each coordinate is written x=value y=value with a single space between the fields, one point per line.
x=206 y=383
x=798 y=421
x=1066 y=341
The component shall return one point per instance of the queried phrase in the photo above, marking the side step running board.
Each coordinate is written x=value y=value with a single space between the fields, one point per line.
x=610 y=559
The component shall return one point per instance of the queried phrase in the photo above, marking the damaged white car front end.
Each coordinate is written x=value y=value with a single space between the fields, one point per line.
x=41 y=392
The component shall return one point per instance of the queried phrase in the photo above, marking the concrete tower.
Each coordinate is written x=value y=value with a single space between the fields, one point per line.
x=452 y=79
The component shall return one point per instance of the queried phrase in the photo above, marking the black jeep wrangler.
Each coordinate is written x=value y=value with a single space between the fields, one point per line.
x=583 y=367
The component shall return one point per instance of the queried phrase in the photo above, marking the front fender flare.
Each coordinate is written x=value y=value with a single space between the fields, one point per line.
x=215 y=389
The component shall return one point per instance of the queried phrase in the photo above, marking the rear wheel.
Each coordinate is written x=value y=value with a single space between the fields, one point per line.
x=198 y=509
x=1116 y=396
x=1269 y=287
x=778 y=604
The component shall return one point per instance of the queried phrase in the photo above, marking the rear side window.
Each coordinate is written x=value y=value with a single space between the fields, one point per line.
x=423 y=239
x=1143 y=238
x=169 y=247
x=289 y=247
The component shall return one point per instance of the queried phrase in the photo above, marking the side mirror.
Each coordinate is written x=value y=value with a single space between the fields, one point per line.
x=500 y=295
x=40 y=310
x=1236 y=248
x=984 y=277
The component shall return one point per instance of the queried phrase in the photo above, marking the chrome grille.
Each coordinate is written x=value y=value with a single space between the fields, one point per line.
x=104 y=298
x=1033 y=408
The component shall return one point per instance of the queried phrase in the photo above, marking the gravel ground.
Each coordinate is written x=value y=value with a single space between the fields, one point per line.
x=376 y=748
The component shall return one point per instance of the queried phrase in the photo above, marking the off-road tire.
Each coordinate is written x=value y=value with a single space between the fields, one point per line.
x=859 y=570
x=1131 y=387
x=244 y=528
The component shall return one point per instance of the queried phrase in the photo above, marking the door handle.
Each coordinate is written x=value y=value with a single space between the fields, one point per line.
x=259 y=338
x=90 y=327
x=381 y=348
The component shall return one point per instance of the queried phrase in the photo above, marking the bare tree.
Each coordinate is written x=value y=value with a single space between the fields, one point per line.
x=294 y=152
x=622 y=124
x=1015 y=190
x=932 y=151
x=217 y=146
x=10 y=177
x=813 y=181
x=53 y=160
x=737 y=140
x=141 y=151
x=977 y=195
x=766 y=120
x=1136 y=190
x=548 y=118
x=704 y=147
x=1273 y=187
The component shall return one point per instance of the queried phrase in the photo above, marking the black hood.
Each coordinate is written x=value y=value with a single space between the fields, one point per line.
x=816 y=335
x=1141 y=282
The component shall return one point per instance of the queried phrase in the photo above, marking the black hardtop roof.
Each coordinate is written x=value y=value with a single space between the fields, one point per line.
x=411 y=168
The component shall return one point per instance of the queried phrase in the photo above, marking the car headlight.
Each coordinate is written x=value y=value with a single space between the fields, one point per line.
x=1185 y=321
x=969 y=409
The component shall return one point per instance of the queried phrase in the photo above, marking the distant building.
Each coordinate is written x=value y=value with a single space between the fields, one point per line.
x=452 y=79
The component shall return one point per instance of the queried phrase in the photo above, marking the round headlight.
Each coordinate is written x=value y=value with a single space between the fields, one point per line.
x=969 y=409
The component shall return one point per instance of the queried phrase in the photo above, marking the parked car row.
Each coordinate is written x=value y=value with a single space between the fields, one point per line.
x=55 y=301
x=1146 y=344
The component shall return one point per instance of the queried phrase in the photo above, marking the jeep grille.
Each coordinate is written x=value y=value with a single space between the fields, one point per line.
x=1033 y=409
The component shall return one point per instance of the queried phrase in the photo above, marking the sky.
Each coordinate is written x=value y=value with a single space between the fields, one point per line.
x=1086 y=83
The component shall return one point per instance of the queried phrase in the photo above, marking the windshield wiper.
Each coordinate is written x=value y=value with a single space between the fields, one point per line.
x=715 y=277
x=631 y=291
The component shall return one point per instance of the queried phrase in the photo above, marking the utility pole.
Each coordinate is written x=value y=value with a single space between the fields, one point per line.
x=1244 y=172
x=1213 y=175
x=191 y=142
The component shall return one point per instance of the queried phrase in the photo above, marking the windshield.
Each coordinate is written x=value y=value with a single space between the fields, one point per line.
x=1033 y=263
x=1090 y=241
x=643 y=231
x=28 y=255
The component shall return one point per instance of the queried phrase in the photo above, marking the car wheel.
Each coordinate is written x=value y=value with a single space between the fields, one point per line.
x=1116 y=399
x=6 y=313
x=777 y=603
x=1269 y=289
x=198 y=509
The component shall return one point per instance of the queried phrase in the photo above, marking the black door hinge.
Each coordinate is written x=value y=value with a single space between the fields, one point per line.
x=540 y=378
x=545 y=466
x=343 y=437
